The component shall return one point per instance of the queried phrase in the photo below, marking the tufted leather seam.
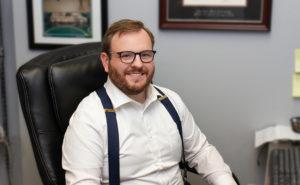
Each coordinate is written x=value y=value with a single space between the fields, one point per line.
x=53 y=94
x=32 y=128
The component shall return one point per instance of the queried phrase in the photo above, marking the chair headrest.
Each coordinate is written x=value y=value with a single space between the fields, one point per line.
x=72 y=80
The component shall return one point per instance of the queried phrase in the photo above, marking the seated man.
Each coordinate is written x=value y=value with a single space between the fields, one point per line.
x=150 y=146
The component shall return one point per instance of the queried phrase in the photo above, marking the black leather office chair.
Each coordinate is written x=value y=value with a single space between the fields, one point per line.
x=50 y=88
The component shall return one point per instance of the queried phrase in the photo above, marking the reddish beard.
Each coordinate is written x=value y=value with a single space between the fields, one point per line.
x=121 y=82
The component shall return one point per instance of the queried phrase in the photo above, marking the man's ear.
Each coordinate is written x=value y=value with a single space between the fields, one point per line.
x=104 y=59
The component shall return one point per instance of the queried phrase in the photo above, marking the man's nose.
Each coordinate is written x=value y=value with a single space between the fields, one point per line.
x=137 y=62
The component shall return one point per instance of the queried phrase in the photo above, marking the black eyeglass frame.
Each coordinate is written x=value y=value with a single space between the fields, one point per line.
x=120 y=53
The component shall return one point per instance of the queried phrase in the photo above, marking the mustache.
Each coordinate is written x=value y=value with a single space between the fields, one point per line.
x=137 y=70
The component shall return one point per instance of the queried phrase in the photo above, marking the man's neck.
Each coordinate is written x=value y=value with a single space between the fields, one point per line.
x=141 y=97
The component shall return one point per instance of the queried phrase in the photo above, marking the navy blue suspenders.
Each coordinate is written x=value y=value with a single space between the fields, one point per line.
x=112 y=137
x=172 y=111
x=113 y=134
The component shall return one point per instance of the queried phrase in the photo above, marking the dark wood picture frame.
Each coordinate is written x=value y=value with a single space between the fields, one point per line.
x=37 y=39
x=255 y=15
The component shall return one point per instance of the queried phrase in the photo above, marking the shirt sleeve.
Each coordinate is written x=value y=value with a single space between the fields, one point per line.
x=83 y=147
x=200 y=154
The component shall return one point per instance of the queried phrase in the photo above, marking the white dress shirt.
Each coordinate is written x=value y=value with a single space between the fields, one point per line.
x=150 y=144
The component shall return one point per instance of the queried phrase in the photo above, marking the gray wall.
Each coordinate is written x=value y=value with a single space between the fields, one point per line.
x=12 y=109
x=233 y=82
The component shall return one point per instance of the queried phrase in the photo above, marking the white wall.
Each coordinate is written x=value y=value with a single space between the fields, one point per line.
x=233 y=82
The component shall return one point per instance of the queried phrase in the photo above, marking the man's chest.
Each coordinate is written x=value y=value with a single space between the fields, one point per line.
x=149 y=140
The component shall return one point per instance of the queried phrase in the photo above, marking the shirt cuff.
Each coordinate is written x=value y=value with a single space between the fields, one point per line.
x=221 y=179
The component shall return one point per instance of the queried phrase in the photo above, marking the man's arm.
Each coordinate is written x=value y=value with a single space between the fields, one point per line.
x=83 y=147
x=199 y=154
x=203 y=156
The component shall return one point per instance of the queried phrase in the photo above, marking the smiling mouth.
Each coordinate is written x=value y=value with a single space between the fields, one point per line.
x=135 y=76
x=136 y=73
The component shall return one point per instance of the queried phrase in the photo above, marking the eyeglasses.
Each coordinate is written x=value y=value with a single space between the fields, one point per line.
x=129 y=56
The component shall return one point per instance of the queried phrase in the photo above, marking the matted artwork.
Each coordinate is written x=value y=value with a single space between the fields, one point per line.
x=56 y=23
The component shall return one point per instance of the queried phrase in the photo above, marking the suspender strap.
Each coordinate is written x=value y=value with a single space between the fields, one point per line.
x=112 y=137
x=172 y=111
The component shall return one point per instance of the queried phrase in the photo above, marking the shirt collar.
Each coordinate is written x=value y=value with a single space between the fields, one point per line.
x=118 y=98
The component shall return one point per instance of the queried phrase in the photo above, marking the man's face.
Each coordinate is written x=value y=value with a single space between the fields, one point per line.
x=133 y=78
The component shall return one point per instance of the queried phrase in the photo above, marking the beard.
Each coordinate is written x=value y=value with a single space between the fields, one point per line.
x=131 y=87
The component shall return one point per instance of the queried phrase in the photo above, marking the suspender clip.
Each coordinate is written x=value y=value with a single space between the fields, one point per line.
x=109 y=110
x=162 y=97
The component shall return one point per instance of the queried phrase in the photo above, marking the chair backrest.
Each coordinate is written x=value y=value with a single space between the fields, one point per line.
x=50 y=88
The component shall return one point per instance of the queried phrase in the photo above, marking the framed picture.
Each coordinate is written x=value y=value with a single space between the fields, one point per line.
x=57 y=23
x=216 y=14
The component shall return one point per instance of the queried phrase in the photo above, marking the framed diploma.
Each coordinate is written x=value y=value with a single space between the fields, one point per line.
x=216 y=14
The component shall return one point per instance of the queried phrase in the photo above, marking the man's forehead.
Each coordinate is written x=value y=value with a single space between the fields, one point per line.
x=119 y=36
x=124 y=33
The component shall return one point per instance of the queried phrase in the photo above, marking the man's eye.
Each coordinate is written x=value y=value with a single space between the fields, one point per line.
x=126 y=55
x=147 y=54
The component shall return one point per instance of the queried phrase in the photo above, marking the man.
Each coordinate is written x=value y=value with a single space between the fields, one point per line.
x=149 y=142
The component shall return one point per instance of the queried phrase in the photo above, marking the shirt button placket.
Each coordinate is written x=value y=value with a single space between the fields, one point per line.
x=148 y=135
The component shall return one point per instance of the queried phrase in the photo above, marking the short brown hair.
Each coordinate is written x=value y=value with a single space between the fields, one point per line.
x=123 y=26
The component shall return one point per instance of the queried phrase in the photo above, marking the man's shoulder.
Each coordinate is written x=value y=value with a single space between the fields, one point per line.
x=91 y=100
x=89 y=114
